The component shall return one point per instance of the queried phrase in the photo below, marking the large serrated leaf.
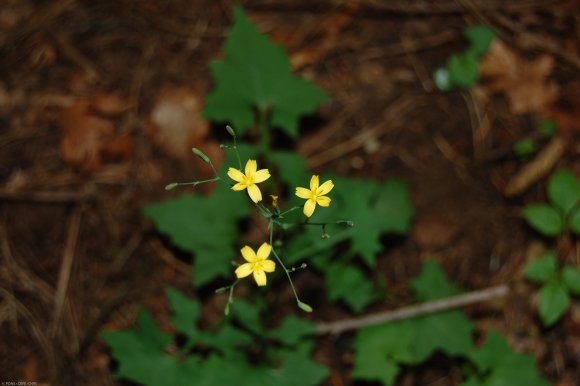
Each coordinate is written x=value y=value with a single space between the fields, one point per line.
x=255 y=74
x=206 y=226
x=498 y=365
x=186 y=312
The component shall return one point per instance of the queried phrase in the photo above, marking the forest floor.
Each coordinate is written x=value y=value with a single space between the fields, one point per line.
x=77 y=254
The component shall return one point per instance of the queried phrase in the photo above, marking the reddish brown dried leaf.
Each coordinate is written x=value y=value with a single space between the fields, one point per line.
x=83 y=135
x=525 y=83
x=87 y=136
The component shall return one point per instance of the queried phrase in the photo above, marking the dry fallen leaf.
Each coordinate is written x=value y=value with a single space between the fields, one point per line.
x=525 y=83
x=176 y=124
x=88 y=135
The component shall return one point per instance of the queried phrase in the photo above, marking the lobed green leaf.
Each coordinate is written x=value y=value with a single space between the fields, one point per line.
x=255 y=74
x=205 y=226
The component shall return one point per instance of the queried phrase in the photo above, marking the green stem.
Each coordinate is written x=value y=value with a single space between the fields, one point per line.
x=194 y=183
x=282 y=265
x=290 y=210
x=237 y=152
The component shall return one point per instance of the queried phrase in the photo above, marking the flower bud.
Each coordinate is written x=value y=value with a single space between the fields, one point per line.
x=200 y=154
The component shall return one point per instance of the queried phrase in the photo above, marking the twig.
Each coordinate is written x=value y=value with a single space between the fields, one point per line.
x=412 y=311
x=66 y=266
x=537 y=168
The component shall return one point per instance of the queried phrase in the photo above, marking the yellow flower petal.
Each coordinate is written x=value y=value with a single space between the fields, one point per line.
x=244 y=270
x=303 y=193
x=249 y=254
x=309 y=208
x=325 y=188
x=314 y=183
x=264 y=251
x=236 y=175
x=268 y=265
x=254 y=192
x=323 y=201
x=251 y=167
x=260 y=277
x=261 y=175
x=239 y=186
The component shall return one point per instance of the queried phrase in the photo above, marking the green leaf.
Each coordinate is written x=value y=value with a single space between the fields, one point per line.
x=227 y=340
x=498 y=365
x=564 y=190
x=432 y=284
x=525 y=147
x=463 y=70
x=247 y=314
x=141 y=355
x=347 y=282
x=543 y=218
x=298 y=369
x=256 y=74
x=553 y=301
x=546 y=127
x=292 y=169
x=292 y=330
x=574 y=221
x=571 y=279
x=516 y=370
x=542 y=269
x=205 y=226
x=232 y=369
x=185 y=313
x=492 y=353
x=449 y=331
x=379 y=350
x=375 y=209
x=480 y=38
x=148 y=329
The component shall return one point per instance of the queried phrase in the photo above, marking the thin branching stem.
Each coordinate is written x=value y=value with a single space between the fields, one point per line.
x=286 y=270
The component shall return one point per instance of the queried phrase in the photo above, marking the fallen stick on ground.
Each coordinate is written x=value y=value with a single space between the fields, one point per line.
x=412 y=311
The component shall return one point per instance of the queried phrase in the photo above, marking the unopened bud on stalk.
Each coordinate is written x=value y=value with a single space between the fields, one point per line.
x=304 y=306
x=230 y=131
x=173 y=185
x=200 y=154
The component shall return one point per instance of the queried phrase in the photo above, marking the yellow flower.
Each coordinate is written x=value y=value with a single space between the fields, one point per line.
x=257 y=263
x=315 y=195
x=249 y=179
